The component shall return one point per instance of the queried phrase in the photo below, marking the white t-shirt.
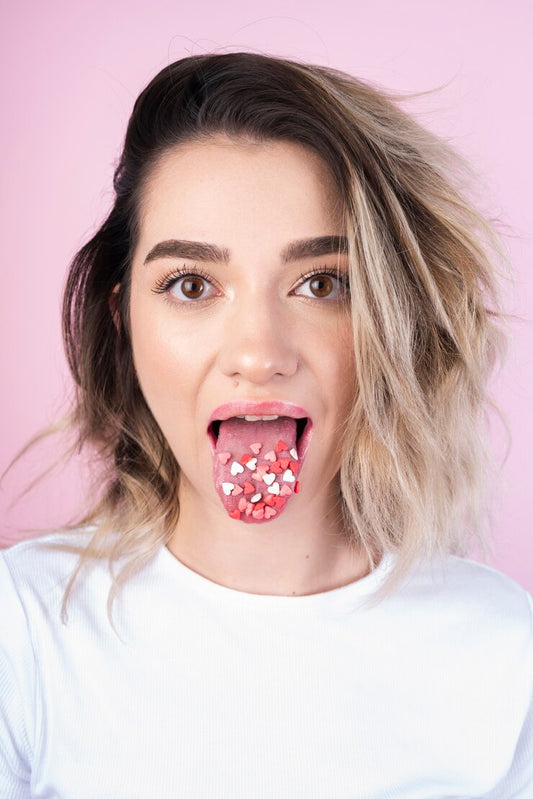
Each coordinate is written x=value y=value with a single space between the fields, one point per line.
x=213 y=693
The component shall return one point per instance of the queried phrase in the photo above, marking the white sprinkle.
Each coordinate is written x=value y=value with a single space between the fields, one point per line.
x=273 y=489
x=227 y=488
x=288 y=476
x=255 y=498
x=251 y=464
x=236 y=468
x=269 y=479
x=293 y=454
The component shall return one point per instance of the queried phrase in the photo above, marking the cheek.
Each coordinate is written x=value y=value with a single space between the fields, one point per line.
x=163 y=360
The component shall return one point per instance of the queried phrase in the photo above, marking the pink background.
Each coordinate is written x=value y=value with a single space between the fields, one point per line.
x=69 y=75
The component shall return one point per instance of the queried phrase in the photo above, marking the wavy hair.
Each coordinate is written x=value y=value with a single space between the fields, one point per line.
x=424 y=305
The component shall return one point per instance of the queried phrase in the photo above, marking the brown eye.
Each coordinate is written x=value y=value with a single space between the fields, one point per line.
x=189 y=287
x=192 y=287
x=321 y=286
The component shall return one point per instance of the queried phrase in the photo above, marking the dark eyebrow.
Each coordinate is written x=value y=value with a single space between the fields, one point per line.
x=313 y=248
x=201 y=251
x=194 y=250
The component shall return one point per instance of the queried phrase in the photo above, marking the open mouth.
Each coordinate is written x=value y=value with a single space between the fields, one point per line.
x=302 y=424
x=257 y=461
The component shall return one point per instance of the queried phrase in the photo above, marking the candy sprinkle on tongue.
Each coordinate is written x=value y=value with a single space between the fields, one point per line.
x=255 y=467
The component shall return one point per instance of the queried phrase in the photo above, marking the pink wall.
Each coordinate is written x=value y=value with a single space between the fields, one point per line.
x=70 y=72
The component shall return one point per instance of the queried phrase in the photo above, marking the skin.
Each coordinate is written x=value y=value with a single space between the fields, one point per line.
x=257 y=332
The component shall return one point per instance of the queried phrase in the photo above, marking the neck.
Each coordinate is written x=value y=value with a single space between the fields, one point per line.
x=303 y=552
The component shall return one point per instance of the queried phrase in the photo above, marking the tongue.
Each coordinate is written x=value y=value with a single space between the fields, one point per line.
x=255 y=467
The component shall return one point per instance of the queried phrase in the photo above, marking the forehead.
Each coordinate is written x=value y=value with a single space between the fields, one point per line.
x=220 y=182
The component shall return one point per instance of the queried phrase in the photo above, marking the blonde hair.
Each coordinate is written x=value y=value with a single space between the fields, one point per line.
x=423 y=300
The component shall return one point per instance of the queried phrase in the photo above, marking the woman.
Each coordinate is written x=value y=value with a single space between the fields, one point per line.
x=281 y=337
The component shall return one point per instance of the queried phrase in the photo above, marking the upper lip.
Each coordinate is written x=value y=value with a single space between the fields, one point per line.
x=251 y=408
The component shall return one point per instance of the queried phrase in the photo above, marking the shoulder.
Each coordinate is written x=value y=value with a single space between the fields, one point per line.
x=473 y=588
x=41 y=563
x=35 y=573
x=473 y=611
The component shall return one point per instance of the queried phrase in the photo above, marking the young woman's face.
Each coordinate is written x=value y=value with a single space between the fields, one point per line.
x=235 y=299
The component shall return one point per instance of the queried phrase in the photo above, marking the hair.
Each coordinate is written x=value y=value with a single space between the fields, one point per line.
x=424 y=306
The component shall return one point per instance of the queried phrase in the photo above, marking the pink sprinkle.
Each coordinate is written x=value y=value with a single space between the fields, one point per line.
x=256 y=448
x=243 y=504
x=224 y=457
x=269 y=512
x=259 y=514
x=236 y=491
x=270 y=456
x=249 y=508
x=285 y=491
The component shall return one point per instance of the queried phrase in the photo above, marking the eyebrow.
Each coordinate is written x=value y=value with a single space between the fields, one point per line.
x=202 y=251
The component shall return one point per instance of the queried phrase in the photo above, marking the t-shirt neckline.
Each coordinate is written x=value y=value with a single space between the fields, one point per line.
x=340 y=598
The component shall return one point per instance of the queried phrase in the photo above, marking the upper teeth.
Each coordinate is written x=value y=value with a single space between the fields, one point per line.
x=258 y=418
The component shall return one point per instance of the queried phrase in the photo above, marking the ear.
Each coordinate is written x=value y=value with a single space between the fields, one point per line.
x=113 y=307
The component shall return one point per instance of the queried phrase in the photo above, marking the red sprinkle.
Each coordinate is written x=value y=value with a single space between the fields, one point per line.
x=245 y=458
x=235 y=514
x=259 y=505
x=293 y=466
x=279 y=502
x=284 y=463
x=276 y=467
x=281 y=446
x=248 y=488
x=297 y=487
x=269 y=499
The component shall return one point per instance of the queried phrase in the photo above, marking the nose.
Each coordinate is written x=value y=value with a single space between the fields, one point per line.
x=258 y=344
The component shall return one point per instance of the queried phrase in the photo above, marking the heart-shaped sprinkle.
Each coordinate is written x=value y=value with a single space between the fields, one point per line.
x=293 y=466
x=256 y=448
x=270 y=456
x=235 y=514
x=236 y=468
x=236 y=491
x=269 y=499
x=249 y=509
x=279 y=502
x=260 y=505
x=227 y=488
x=248 y=487
x=245 y=458
x=293 y=454
x=258 y=514
x=269 y=512
x=273 y=489
x=242 y=504
x=269 y=479
x=224 y=457
x=255 y=498
x=276 y=468
x=284 y=463
x=288 y=476
x=297 y=487
x=281 y=446
x=251 y=464
x=285 y=491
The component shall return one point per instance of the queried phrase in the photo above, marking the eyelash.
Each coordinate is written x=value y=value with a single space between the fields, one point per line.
x=166 y=282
